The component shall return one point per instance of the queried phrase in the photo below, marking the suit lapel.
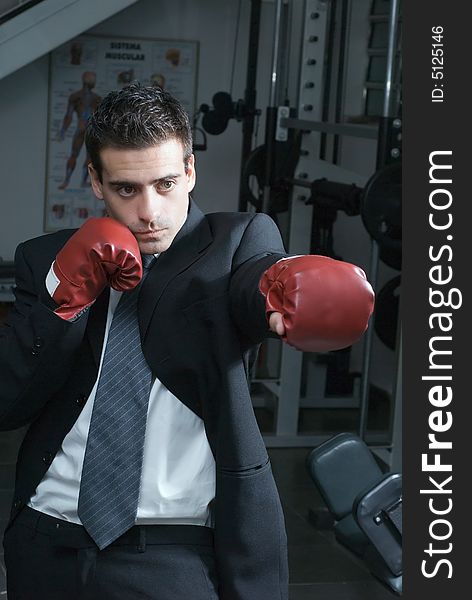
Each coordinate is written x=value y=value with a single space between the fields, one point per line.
x=191 y=240
x=96 y=323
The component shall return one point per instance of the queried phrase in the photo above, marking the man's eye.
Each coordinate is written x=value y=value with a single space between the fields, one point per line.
x=166 y=186
x=126 y=190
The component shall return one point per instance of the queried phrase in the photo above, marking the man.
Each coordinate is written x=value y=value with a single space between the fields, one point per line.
x=143 y=473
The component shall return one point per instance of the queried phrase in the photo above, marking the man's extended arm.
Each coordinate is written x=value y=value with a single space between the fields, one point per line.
x=315 y=303
x=261 y=246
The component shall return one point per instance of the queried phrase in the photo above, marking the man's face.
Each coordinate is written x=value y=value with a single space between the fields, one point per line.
x=146 y=190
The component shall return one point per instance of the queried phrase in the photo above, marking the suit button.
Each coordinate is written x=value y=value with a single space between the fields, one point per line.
x=38 y=342
x=35 y=352
x=17 y=503
x=81 y=400
x=47 y=458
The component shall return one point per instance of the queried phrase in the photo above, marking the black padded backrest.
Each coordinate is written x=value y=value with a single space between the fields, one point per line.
x=379 y=514
x=341 y=468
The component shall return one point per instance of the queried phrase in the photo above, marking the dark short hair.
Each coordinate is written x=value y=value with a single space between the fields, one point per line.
x=137 y=117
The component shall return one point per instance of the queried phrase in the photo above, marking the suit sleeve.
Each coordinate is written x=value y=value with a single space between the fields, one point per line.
x=260 y=247
x=36 y=350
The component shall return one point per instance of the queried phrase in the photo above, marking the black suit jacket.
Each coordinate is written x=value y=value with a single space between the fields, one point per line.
x=200 y=313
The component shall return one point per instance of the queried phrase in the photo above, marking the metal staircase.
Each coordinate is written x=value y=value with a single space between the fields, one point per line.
x=29 y=30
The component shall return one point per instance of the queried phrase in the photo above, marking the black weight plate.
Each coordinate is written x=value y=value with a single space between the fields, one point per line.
x=386 y=312
x=286 y=158
x=391 y=257
x=381 y=207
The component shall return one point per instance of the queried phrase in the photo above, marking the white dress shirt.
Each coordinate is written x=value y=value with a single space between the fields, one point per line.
x=178 y=472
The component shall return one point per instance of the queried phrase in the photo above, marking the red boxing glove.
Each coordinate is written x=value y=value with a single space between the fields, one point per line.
x=325 y=303
x=101 y=252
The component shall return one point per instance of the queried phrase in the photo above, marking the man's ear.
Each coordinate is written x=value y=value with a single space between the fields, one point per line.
x=191 y=174
x=95 y=181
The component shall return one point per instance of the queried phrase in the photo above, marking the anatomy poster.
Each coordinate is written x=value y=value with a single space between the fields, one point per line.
x=82 y=71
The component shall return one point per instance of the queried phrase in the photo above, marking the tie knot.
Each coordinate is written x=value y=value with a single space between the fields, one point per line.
x=147 y=260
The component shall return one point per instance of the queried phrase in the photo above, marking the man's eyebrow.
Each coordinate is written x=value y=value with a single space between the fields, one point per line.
x=124 y=182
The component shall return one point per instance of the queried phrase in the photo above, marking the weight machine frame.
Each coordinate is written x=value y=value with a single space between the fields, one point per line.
x=311 y=97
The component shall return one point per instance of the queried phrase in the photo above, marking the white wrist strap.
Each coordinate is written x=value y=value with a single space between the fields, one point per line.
x=52 y=281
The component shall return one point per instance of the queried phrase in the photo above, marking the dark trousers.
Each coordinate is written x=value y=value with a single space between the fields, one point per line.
x=50 y=559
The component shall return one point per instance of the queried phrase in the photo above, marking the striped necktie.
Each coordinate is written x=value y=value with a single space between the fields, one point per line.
x=111 y=474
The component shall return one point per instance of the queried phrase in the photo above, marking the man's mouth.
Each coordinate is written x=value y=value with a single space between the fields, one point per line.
x=149 y=234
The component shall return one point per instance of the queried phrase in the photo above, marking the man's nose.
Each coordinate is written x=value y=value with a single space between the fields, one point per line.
x=149 y=206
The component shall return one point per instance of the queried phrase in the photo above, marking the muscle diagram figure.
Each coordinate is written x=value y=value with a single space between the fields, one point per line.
x=82 y=102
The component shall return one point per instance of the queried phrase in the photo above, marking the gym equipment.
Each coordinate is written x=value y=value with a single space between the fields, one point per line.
x=286 y=158
x=365 y=504
x=386 y=312
x=329 y=197
x=392 y=258
x=215 y=120
x=379 y=202
x=379 y=514
x=389 y=121
x=381 y=211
